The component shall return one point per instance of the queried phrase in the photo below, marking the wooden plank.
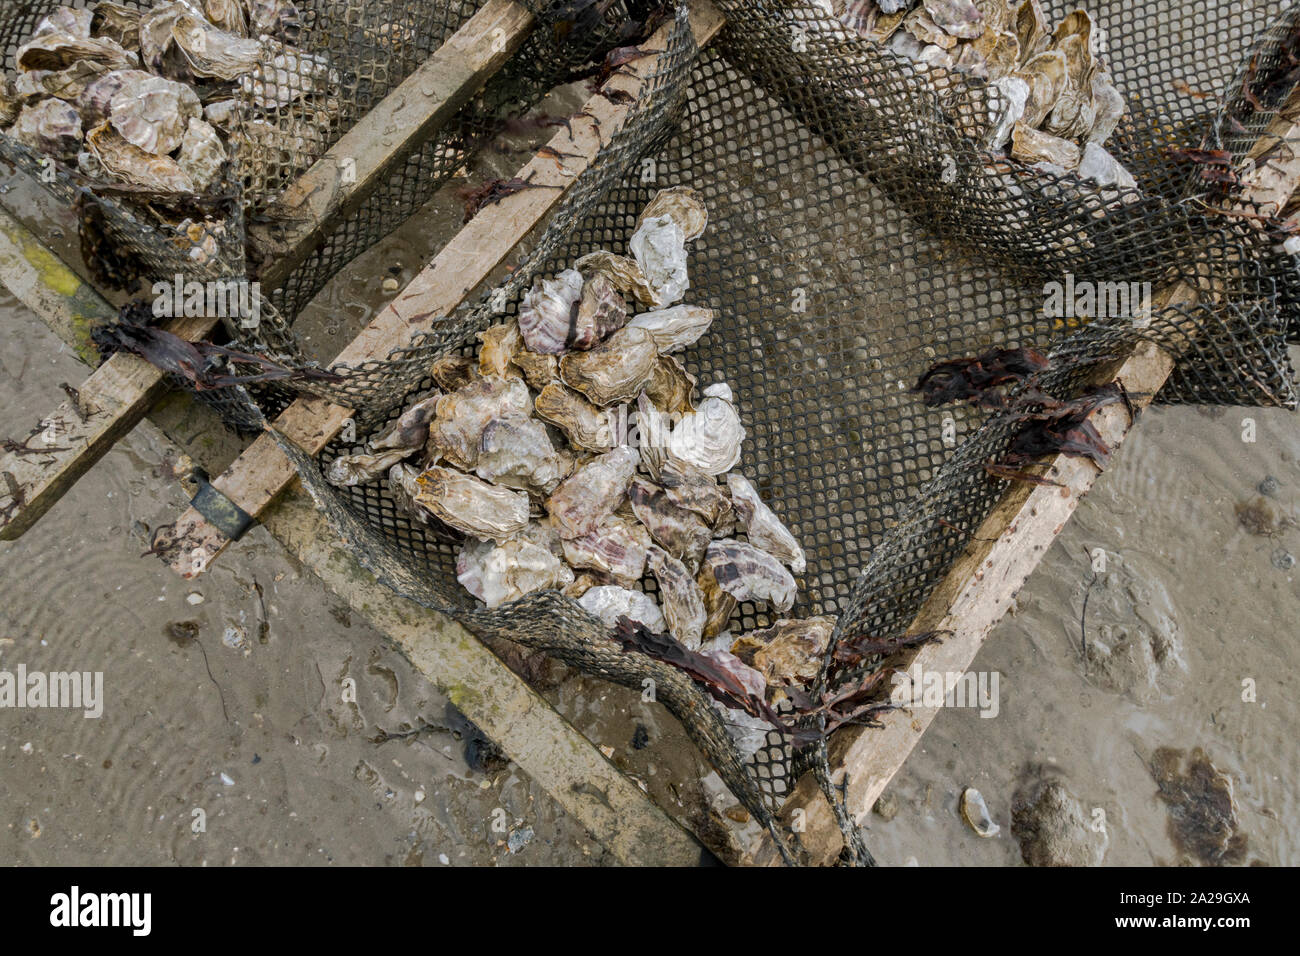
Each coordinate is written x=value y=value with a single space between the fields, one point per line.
x=617 y=813
x=335 y=187
x=262 y=472
x=1003 y=552
x=124 y=387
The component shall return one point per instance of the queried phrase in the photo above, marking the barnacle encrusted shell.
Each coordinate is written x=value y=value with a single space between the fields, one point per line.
x=748 y=574
x=788 y=652
x=623 y=272
x=610 y=602
x=349 y=470
x=683 y=205
x=411 y=430
x=671 y=387
x=49 y=126
x=202 y=154
x=154 y=113
x=711 y=436
x=694 y=489
x=659 y=248
x=468 y=504
x=127 y=163
x=516 y=451
x=676 y=327
x=617 y=548
x=585 y=425
x=681 y=533
x=616 y=370
x=763 y=528
x=455 y=432
x=590 y=495
x=680 y=597
x=498 y=573
x=548 y=312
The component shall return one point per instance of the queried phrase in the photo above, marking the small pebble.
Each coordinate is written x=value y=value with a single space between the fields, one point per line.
x=886 y=807
x=519 y=839
x=419 y=796
x=390 y=284
x=443 y=859
x=26 y=748
x=1268 y=486
x=737 y=813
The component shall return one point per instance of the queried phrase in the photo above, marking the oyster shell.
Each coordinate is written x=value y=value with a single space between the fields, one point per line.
x=1047 y=76
x=676 y=327
x=516 y=451
x=1015 y=97
x=610 y=602
x=763 y=528
x=585 y=425
x=601 y=310
x=115 y=22
x=70 y=83
x=1108 y=107
x=711 y=436
x=616 y=370
x=51 y=127
x=463 y=415
x=347 y=471
x=681 y=533
x=202 y=154
x=592 y=493
x=616 y=549
x=958 y=18
x=56 y=51
x=404 y=487
x=229 y=15
x=623 y=272
x=154 y=113
x=581 y=585
x=659 y=248
x=277 y=18
x=548 y=312
x=654 y=429
x=694 y=489
x=671 y=387
x=499 y=573
x=222 y=114
x=976 y=814
x=411 y=430
x=96 y=99
x=71 y=21
x=10 y=105
x=719 y=606
x=453 y=372
x=682 y=205
x=130 y=164
x=788 y=652
x=208 y=51
x=497 y=349
x=1031 y=29
x=466 y=503
x=748 y=574
x=1034 y=146
x=538 y=370
x=680 y=597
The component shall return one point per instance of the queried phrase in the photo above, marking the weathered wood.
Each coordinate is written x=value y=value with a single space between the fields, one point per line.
x=334 y=188
x=1003 y=552
x=125 y=387
x=262 y=472
x=617 y=813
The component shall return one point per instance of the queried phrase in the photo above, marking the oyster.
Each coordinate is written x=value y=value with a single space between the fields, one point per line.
x=115 y=22
x=623 y=272
x=592 y=493
x=10 y=105
x=347 y=471
x=581 y=585
x=958 y=18
x=463 y=415
x=1034 y=146
x=229 y=15
x=49 y=126
x=1047 y=75
x=676 y=327
x=682 y=205
x=71 y=21
x=1108 y=107
x=498 y=573
x=154 y=113
x=97 y=98
x=719 y=606
x=788 y=652
x=1030 y=25
x=585 y=425
x=56 y=51
x=616 y=370
x=516 y=451
x=70 y=83
x=654 y=429
x=696 y=490
x=1015 y=97
x=478 y=509
x=222 y=114
x=208 y=51
x=610 y=602
x=404 y=487
x=548 y=312
x=659 y=248
x=681 y=533
x=277 y=18
x=497 y=349
x=156 y=35
x=748 y=574
x=538 y=370
x=617 y=549
x=453 y=372
x=681 y=598
x=763 y=528
x=601 y=310
x=411 y=430
x=202 y=155
x=129 y=164
x=671 y=387
x=1104 y=169
x=710 y=437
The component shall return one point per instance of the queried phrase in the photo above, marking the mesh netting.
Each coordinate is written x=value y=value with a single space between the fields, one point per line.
x=858 y=233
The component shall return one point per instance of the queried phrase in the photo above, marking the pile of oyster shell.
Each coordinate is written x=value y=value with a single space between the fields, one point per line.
x=526 y=450
x=1060 y=105
x=152 y=99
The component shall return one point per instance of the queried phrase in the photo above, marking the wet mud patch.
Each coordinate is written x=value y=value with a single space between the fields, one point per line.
x=1131 y=641
x=1202 y=809
x=1053 y=827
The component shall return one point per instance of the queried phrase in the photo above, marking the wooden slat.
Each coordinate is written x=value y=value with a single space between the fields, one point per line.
x=979 y=588
x=617 y=813
x=122 y=389
x=262 y=472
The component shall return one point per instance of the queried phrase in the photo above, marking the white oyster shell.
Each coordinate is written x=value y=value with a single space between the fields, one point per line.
x=659 y=248
x=676 y=327
x=497 y=574
x=763 y=528
x=610 y=602
x=710 y=437
x=549 y=312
